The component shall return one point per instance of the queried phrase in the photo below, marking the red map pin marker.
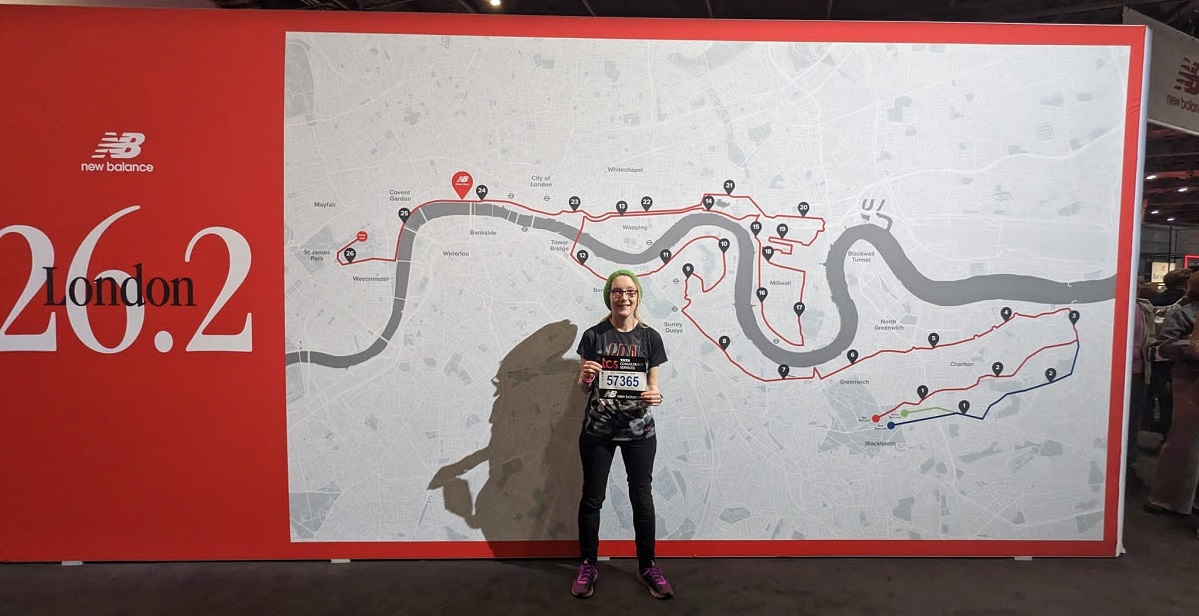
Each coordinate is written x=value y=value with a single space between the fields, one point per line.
x=462 y=183
x=362 y=236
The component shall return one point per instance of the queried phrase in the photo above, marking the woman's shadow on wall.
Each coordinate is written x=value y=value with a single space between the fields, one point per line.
x=534 y=474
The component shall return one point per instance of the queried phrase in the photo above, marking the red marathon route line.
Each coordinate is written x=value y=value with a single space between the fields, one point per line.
x=724 y=263
x=781 y=246
x=587 y=217
x=799 y=321
x=802 y=284
x=885 y=414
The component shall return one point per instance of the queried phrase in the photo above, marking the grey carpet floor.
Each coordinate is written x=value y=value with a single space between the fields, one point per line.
x=1159 y=576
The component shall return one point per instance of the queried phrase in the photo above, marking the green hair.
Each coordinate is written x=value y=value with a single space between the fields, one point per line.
x=608 y=286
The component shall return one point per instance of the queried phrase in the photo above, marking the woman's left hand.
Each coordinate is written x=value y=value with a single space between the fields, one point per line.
x=652 y=398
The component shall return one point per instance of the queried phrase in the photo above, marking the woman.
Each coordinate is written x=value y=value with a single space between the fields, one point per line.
x=620 y=357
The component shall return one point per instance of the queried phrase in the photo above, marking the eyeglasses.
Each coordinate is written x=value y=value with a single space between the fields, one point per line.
x=626 y=293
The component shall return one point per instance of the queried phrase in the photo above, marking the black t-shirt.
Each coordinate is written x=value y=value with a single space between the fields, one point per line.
x=620 y=420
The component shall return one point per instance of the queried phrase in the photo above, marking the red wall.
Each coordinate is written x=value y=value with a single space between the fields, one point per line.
x=149 y=455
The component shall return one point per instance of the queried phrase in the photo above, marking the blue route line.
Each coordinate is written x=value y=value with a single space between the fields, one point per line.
x=1077 y=348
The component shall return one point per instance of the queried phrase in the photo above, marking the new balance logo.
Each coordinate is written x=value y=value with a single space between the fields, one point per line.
x=124 y=145
x=119 y=146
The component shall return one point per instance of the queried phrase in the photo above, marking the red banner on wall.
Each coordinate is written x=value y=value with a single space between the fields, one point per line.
x=144 y=180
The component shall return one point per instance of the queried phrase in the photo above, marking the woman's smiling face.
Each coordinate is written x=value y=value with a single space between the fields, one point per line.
x=623 y=297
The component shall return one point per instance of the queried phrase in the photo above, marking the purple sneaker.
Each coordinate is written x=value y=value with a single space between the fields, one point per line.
x=584 y=583
x=656 y=582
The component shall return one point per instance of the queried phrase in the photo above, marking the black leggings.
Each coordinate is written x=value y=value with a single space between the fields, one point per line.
x=597 y=454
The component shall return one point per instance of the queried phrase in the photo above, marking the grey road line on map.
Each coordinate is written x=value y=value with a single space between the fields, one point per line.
x=1009 y=287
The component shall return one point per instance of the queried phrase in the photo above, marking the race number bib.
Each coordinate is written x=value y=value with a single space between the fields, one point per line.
x=622 y=378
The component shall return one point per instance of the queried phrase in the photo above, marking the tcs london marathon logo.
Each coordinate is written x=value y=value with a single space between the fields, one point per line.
x=119 y=147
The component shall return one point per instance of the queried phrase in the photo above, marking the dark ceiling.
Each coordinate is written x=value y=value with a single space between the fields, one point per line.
x=1171 y=157
x=1181 y=14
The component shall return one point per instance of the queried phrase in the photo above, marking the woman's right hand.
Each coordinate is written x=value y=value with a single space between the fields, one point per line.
x=588 y=372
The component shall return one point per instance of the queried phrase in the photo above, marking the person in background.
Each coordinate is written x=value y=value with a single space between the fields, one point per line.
x=1160 y=382
x=1142 y=326
x=1177 y=475
x=1176 y=286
